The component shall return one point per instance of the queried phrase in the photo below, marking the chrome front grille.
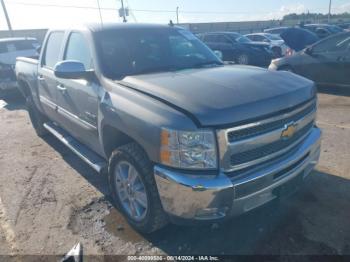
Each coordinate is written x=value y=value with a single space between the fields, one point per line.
x=260 y=152
x=260 y=142
x=269 y=126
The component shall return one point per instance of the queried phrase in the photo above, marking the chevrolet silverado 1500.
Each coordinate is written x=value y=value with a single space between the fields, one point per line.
x=182 y=136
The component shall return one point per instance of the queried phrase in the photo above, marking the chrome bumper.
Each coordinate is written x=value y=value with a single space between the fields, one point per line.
x=210 y=197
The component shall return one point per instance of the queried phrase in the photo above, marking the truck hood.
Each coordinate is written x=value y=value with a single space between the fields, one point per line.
x=226 y=95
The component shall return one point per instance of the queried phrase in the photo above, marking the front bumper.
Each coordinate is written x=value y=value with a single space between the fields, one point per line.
x=211 y=197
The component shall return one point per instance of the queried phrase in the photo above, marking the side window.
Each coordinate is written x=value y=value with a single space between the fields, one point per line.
x=210 y=38
x=11 y=47
x=334 y=44
x=53 y=48
x=260 y=38
x=78 y=49
x=223 y=40
x=252 y=37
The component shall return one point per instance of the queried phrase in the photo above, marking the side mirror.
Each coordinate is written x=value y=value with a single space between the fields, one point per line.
x=71 y=69
x=218 y=54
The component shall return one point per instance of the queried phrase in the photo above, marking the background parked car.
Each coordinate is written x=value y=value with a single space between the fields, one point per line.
x=277 y=45
x=10 y=49
x=345 y=26
x=276 y=30
x=323 y=30
x=238 y=48
x=327 y=62
x=298 y=39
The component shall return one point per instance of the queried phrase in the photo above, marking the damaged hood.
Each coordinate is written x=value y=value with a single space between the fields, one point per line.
x=225 y=95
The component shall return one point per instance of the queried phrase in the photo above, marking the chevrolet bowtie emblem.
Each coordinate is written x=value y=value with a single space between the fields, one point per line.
x=289 y=130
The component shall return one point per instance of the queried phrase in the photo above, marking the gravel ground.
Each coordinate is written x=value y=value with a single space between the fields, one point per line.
x=50 y=200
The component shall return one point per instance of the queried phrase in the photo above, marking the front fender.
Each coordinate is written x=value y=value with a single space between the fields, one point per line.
x=140 y=117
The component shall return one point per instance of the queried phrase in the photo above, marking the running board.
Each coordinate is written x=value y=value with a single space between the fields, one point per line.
x=86 y=154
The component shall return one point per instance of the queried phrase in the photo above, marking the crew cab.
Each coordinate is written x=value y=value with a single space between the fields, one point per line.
x=181 y=136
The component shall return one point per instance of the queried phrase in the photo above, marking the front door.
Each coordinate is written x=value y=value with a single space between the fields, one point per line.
x=78 y=98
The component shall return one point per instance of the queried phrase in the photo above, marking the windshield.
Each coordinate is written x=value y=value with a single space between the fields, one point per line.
x=335 y=29
x=135 y=51
x=243 y=39
x=239 y=38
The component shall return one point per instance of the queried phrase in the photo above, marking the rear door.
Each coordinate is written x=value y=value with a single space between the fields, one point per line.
x=78 y=98
x=47 y=82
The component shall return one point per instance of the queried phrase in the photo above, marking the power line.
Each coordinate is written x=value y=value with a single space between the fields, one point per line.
x=146 y=10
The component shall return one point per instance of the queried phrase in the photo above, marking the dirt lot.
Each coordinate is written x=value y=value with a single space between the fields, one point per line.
x=50 y=200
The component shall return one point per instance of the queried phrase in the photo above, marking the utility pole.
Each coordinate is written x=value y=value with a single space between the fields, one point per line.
x=177 y=15
x=329 y=11
x=7 y=17
x=123 y=11
x=99 y=11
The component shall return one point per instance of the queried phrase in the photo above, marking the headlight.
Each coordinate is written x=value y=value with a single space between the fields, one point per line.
x=190 y=150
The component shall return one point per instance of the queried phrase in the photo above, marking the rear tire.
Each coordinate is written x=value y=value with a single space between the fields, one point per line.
x=153 y=217
x=36 y=117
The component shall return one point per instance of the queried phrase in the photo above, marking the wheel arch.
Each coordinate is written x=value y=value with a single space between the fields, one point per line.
x=24 y=88
x=113 y=138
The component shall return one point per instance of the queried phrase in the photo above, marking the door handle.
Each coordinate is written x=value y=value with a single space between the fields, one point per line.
x=61 y=87
x=41 y=78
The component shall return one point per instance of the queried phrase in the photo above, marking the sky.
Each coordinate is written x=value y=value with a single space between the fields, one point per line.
x=30 y=14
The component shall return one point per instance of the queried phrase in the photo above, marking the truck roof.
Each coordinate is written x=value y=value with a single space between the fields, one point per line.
x=96 y=27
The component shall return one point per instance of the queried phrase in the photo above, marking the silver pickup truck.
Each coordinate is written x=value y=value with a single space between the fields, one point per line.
x=182 y=137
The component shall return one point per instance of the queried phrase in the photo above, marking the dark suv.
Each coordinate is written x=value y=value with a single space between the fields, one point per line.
x=238 y=48
x=323 y=30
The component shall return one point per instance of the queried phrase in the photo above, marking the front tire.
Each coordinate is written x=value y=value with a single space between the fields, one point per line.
x=36 y=117
x=134 y=189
